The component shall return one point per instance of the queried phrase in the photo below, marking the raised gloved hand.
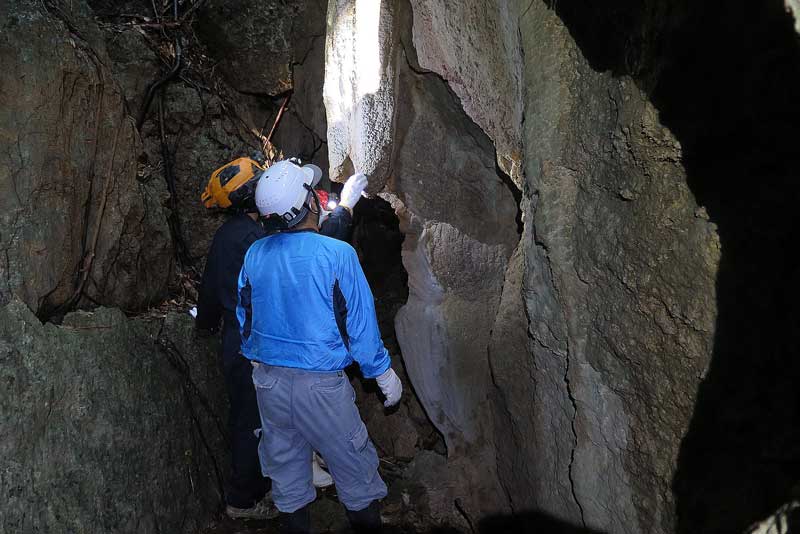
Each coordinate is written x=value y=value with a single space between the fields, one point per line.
x=352 y=190
x=391 y=386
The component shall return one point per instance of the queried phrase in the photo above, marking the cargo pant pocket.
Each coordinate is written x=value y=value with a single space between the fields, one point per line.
x=263 y=379
x=364 y=454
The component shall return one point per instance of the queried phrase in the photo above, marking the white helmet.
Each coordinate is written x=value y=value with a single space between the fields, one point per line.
x=285 y=189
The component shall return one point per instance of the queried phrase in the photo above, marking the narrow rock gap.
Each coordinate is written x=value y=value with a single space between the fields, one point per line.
x=378 y=240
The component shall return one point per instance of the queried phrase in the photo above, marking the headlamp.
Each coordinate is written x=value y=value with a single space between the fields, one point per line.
x=333 y=201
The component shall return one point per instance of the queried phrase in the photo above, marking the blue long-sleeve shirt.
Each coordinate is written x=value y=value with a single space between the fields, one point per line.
x=304 y=303
x=218 y=290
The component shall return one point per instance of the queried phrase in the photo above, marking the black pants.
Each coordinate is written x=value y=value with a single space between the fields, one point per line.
x=246 y=485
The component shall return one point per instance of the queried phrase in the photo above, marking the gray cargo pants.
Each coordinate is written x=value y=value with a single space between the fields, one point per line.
x=302 y=411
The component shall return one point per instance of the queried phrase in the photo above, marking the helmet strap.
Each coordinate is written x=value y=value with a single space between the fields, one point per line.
x=313 y=194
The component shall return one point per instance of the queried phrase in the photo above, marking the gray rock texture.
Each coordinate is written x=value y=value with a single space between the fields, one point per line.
x=475 y=46
x=359 y=88
x=604 y=322
x=617 y=272
x=303 y=127
x=441 y=168
x=109 y=424
x=252 y=42
x=786 y=519
x=74 y=208
x=220 y=107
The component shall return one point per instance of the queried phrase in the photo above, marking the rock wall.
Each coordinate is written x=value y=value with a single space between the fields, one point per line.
x=620 y=264
x=360 y=46
x=74 y=208
x=109 y=424
x=439 y=170
x=614 y=334
x=794 y=7
x=475 y=47
x=239 y=61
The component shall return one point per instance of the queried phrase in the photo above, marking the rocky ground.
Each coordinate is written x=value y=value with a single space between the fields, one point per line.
x=403 y=510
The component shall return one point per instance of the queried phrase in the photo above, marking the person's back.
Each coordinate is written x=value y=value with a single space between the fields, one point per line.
x=305 y=313
x=309 y=298
x=217 y=296
x=232 y=187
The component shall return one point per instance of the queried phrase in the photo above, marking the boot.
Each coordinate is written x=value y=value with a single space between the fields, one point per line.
x=366 y=521
x=298 y=522
x=264 y=509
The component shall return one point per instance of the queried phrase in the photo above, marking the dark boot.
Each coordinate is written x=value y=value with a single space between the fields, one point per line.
x=298 y=522
x=366 y=521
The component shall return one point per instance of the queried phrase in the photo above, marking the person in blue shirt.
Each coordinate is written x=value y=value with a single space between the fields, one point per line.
x=232 y=187
x=305 y=313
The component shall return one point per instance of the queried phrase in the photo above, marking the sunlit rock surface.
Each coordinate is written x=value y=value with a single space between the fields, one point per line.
x=359 y=88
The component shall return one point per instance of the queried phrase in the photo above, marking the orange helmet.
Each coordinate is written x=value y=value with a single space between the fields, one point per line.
x=232 y=184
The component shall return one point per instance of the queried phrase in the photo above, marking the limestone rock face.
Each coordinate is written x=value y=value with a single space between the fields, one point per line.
x=106 y=430
x=359 y=88
x=252 y=40
x=68 y=162
x=302 y=129
x=456 y=265
x=388 y=118
x=203 y=132
x=617 y=272
x=207 y=120
x=475 y=46
x=594 y=388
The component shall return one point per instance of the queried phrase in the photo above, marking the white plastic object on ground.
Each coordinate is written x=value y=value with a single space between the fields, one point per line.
x=322 y=479
x=193 y=312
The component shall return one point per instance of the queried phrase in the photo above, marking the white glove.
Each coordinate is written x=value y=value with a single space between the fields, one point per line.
x=353 y=190
x=391 y=386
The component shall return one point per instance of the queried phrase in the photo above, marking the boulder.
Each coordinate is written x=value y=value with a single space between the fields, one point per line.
x=109 y=424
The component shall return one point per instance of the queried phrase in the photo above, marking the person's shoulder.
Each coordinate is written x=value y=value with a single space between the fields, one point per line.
x=334 y=245
x=238 y=225
x=257 y=246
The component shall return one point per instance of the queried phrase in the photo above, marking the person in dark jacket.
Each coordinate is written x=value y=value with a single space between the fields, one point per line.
x=233 y=187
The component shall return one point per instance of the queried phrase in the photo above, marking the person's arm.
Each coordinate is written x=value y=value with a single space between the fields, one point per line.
x=355 y=310
x=244 y=305
x=338 y=224
x=209 y=308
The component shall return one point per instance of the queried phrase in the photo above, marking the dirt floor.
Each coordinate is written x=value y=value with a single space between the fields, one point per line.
x=400 y=511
